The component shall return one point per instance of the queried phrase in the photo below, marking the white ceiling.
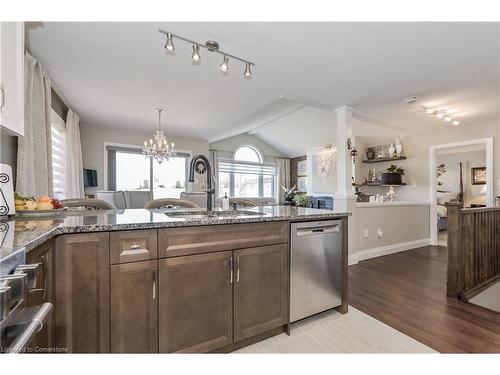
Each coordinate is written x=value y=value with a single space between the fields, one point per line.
x=115 y=74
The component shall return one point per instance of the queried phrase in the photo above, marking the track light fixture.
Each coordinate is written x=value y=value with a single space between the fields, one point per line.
x=211 y=46
x=195 y=57
x=440 y=114
x=224 y=67
x=169 y=46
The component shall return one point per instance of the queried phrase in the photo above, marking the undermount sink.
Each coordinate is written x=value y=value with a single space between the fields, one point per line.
x=200 y=215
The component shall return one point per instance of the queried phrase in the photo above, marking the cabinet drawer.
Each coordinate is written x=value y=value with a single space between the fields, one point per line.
x=132 y=246
x=206 y=239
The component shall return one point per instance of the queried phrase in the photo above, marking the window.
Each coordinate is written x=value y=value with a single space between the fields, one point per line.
x=58 y=132
x=246 y=175
x=129 y=169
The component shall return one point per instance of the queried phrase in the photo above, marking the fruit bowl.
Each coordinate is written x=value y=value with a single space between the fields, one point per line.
x=33 y=213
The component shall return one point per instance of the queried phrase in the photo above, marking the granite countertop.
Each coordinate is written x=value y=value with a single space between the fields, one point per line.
x=26 y=233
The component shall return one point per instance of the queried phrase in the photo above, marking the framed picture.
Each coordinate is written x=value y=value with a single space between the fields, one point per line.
x=302 y=168
x=478 y=176
x=302 y=184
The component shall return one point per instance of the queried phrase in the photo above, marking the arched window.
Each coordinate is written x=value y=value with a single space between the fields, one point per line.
x=248 y=154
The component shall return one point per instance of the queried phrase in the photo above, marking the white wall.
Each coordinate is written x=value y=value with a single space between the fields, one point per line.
x=416 y=149
x=228 y=145
x=93 y=138
x=451 y=178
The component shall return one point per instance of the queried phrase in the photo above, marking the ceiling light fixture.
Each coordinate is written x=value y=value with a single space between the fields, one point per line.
x=169 y=46
x=248 y=71
x=224 y=67
x=195 y=57
x=211 y=46
x=158 y=147
x=440 y=114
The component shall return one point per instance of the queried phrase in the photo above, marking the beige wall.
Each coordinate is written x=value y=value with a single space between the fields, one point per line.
x=399 y=224
x=416 y=148
x=93 y=138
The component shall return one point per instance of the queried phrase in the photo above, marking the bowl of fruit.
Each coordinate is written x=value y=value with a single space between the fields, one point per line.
x=41 y=206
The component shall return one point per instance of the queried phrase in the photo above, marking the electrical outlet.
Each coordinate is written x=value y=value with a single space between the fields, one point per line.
x=366 y=233
x=380 y=233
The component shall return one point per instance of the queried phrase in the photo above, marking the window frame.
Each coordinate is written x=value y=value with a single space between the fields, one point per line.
x=262 y=163
x=134 y=149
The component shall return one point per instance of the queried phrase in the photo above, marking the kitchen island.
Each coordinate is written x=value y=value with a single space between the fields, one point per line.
x=163 y=281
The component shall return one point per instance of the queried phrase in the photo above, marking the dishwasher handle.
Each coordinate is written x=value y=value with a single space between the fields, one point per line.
x=334 y=228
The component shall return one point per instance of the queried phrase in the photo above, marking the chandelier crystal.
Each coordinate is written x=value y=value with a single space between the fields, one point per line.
x=158 y=147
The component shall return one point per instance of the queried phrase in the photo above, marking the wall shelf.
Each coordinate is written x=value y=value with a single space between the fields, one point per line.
x=379 y=184
x=381 y=160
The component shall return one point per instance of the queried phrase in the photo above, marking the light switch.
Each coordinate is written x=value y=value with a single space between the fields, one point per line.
x=366 y=233
x=380 y=233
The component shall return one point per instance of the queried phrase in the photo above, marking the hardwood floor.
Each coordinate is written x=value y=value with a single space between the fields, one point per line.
x=407 y=291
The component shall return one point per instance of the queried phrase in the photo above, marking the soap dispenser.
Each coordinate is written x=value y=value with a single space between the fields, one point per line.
x=225 y=202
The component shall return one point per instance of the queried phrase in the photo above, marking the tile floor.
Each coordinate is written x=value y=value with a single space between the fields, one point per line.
x=332 y=332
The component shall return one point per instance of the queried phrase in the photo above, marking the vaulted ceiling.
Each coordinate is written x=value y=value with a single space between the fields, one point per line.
x=115 y=74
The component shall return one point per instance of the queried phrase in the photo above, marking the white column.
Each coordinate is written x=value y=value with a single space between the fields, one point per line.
x=344 y=190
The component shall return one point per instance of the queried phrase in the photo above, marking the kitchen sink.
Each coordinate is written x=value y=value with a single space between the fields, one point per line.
x=200 y=215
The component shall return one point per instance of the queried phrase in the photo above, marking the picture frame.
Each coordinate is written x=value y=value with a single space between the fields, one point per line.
x=478 y=176
x=301 y=167
x=302 y=184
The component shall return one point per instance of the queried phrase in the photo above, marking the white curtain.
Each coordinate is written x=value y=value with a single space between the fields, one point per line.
x=34 y=153
x=73 y=183
x=282 y=177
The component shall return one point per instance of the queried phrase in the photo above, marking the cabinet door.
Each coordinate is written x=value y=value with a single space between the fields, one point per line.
x=133 y=245
x=43 y=291
x=134 y=307
x=260 y=290
x=12 y=77
x=82 y=292
x=195 y=303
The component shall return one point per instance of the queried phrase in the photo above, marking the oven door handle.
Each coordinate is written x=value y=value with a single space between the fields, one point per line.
x=32 y=328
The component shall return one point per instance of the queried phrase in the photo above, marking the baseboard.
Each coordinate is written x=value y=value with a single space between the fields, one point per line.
x=386 y=250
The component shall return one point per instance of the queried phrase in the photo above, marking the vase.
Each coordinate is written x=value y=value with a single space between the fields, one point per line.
x=391 y=179
x=392 y=150
x=399 y=147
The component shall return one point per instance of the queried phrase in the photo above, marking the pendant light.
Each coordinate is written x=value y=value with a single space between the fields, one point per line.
x=158 y=147
x=196 y=57
x=169 y=46
x=224 y=67
x=248 y=71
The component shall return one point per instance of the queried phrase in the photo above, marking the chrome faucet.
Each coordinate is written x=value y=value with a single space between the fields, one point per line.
x=210 y=191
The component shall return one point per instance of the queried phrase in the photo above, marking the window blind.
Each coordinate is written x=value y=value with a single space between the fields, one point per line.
x=58 y=158
x=231 y=166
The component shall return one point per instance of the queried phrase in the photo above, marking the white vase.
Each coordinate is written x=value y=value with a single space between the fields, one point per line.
x=392 y=150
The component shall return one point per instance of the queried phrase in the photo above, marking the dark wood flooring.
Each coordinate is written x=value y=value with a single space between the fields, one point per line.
x=407 y=291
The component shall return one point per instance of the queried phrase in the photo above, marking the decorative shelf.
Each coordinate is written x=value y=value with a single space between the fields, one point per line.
x=381 y=160
x=379 y=184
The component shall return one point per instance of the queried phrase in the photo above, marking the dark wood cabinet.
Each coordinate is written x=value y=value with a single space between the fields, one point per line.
x=133 y=246
x=260 y=290
x=82 y=293
x=43 y=292
x=195 y=302
x=134 y=296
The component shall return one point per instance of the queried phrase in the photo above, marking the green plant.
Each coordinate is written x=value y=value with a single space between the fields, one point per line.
x=178 y=185
x=300 y=199
x=289 y=194
x=395 y=169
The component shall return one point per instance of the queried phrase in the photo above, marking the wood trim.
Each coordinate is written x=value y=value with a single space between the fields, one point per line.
x=212 y=238
x=133 y=245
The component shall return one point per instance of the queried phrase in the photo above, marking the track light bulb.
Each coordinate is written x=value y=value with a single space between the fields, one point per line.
x=455 y=123
x=224 y=67
x=248 y=71
x=195 y=57
x=169 y=46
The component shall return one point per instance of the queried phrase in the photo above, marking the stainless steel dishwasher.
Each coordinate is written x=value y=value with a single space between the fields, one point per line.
x=316 y=267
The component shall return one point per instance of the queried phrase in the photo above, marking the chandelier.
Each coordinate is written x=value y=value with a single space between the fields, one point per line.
x=210 y=45
x=158 y=147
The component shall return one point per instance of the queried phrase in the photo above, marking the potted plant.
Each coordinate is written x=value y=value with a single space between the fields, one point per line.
x=289 y=194
x=300 y=199
x=393 y=175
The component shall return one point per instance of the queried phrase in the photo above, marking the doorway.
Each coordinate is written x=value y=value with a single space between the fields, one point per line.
x=474 y=187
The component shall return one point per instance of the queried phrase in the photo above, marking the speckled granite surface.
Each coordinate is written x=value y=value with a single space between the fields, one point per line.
x=24 y=234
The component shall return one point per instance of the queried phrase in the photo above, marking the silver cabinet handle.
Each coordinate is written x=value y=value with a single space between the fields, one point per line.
x=34 y=326
x=238 y=270
x=2 y=97
x=154 y=283
x=231 y=270
x=134 y=246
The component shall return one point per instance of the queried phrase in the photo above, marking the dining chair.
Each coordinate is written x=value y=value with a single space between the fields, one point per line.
x=137 y=198
x=116 y=198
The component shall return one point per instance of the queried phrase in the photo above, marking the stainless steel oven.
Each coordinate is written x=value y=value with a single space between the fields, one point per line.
x=19 y=323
